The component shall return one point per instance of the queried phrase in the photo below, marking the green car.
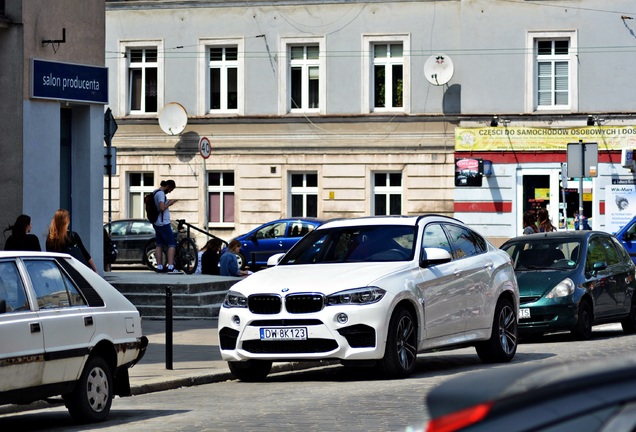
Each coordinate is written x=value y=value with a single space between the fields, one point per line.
x=572 y=280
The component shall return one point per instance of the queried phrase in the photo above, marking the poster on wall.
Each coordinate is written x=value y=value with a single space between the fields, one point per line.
x=620 y=203
x=468 y=172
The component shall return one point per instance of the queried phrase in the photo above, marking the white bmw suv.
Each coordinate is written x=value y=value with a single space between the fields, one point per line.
x=379 y=289
x=64 y=331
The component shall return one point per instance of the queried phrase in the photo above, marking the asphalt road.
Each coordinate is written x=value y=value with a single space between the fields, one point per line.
x=331 y=398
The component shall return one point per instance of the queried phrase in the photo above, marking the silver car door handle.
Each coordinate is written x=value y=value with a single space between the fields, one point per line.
x=489 y=264
x=457 y=273
x=88 y=321
x=34 y=327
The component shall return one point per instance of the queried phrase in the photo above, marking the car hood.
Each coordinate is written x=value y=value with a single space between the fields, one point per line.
x=324 y=278
x=537 y=283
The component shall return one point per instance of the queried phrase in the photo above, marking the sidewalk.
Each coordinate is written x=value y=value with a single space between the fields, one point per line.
x=195 y=357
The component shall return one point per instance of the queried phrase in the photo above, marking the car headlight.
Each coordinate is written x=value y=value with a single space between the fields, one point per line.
x=234 y=299
x=356 y=296
x=564 y=288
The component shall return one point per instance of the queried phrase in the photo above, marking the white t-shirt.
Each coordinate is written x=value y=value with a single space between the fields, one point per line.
x=164 y=217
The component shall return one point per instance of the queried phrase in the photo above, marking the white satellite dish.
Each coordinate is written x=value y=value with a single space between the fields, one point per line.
x=438 y=69
x=173 y=118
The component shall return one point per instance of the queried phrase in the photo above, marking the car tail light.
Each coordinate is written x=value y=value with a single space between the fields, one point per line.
x=459 y=419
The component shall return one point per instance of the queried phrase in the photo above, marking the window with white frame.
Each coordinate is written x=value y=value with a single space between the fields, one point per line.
x=139 y=185
x=303 y=194
x=223 y=78
x=387 y=193
x=142 y=80
x=221 y=197
x=554 y=71
x=386 y=73
x=304 y=74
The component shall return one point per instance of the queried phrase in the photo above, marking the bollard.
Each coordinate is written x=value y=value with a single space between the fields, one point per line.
x=253 y=268
x=169 y=327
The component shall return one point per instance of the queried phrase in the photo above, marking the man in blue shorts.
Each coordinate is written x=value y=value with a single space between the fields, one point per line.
x=163 y=229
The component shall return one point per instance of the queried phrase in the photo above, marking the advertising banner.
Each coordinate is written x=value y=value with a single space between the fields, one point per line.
x=620 y=203
x=509 y=138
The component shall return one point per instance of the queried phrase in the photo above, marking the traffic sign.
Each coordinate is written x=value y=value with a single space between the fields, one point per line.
x=204 y=147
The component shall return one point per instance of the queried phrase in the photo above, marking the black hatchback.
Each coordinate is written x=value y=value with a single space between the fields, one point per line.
x=135 y=240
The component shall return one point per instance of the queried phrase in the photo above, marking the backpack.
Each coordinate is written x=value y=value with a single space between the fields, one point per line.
x=152 y=212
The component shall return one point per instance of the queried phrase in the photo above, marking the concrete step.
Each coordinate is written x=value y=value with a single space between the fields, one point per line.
x=193 y=296
x=186 y=299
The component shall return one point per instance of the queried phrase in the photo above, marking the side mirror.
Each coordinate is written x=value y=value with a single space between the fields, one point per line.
x=434 y=256
x=274 y=259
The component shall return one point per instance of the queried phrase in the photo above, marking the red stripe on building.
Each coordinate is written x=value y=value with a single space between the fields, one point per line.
x=511 y=157
x=483 y=207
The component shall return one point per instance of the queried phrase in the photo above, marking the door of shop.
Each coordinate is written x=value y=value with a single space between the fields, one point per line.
x=540 y=188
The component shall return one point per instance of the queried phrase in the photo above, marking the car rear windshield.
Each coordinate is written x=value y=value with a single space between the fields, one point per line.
x=542 y=254
x=379 y=243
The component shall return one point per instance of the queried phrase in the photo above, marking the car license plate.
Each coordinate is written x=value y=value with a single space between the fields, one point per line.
x=524 y=313
x=287 y=333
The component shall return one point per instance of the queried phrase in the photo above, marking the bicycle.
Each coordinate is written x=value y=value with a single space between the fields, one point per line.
x=186 y=255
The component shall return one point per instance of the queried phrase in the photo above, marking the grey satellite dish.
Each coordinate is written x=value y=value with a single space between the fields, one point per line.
x=173 y=118
x=438 y=69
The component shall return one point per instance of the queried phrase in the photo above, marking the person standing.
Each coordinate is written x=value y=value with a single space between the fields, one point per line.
x=61 y=239
x=163 y=229
x=529 y=223
x=580 y=221
x=21 y=238
x=543 y=218
x=228 y=264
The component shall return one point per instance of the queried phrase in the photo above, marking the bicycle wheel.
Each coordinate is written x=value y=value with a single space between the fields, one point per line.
x=186 y=257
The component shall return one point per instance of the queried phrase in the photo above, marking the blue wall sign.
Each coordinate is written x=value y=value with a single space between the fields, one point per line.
x=71 y=82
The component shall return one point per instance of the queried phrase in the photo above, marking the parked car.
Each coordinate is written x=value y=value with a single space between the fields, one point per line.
x=135 y=240
x=272 y=238
x=627 y=237
x=64 y=331
x=375 y=290
x=572 y=280
x=586 y=396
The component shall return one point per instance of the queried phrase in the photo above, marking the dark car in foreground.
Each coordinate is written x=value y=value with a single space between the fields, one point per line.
x=572 y=280
x=627 y=236
x=587 y=396
x=272 y=238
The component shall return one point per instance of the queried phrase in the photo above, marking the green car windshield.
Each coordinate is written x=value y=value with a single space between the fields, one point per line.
x=354 y=244
x=533 y=255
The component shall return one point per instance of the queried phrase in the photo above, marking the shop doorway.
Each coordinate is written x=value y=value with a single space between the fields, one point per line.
x=543 y=188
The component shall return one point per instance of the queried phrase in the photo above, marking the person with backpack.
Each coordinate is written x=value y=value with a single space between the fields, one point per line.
x=163 y=229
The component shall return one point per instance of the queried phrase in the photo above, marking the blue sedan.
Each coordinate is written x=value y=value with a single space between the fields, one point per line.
x=627 y=236
x=272 y=238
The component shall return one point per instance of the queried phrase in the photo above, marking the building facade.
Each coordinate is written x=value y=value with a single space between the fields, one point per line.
x=348 y=108
x=53 y=88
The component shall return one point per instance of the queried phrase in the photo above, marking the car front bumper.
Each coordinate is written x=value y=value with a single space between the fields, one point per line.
x=361 y=337
x=547 y=315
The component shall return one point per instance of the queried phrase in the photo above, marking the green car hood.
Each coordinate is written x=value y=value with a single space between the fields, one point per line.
x=540 y=282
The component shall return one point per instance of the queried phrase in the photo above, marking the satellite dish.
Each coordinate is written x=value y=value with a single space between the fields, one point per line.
x=173 y=118
x=438 y=69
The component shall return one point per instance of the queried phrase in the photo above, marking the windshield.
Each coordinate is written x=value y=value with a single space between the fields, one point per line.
x=542 y=254
x=354 y=244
